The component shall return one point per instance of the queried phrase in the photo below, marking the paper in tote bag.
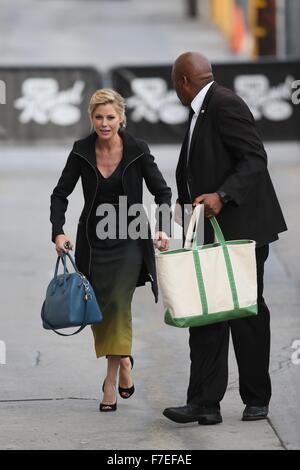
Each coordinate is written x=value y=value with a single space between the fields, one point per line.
x=70 y=301
x=201 y=285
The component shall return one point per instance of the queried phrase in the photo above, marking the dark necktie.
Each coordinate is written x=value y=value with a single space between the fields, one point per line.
x=184 y=175
x=191 y=114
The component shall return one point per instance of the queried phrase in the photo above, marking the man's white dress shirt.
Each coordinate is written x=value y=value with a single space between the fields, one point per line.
x=196 y=105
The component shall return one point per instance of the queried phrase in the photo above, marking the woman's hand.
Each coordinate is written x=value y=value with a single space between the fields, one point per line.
x=161 y=241
x=63 y=244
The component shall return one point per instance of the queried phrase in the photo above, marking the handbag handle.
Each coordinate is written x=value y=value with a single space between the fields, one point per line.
x=63 y=260
x=51 y=327
x=72 y=261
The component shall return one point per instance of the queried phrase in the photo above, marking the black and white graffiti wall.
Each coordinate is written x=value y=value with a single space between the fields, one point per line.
x=269 y=88
x=46 y=103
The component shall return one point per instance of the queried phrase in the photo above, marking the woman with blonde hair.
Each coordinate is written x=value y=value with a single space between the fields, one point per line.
x=111 y=163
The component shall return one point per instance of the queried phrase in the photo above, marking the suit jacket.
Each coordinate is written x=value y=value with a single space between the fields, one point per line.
x=226 y=153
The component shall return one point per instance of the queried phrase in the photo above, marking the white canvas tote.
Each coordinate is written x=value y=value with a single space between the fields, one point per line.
x=207 y=284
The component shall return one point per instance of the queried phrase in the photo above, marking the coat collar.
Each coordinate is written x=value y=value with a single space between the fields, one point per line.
x=131 y=147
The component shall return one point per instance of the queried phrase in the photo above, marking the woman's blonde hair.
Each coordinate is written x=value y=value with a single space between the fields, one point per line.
x=108 y=96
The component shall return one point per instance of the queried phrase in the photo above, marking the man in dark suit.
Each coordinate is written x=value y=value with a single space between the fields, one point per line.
x=223 y=165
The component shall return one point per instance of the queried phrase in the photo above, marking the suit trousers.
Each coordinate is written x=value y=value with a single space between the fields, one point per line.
x=251 y=342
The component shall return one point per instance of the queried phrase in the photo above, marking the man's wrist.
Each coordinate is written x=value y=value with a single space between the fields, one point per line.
x=224 y=197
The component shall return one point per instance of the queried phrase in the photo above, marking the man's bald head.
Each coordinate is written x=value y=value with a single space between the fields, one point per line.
x=191 y=72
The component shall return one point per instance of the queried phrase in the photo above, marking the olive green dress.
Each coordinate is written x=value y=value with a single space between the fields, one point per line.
x=115 y=268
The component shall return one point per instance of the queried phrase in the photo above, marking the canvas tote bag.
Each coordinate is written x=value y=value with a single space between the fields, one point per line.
x=207 y=284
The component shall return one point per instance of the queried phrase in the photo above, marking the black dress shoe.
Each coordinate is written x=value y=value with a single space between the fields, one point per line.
x=190 y=413
x=210 y=415
x=254 y=413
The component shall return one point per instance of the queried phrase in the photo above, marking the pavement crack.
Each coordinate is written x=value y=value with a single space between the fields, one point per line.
x=277 y=434
x=37 y=361
x=19 y=400
x=284 y=364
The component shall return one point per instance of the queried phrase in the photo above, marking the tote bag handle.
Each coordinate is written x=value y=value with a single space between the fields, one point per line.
x=191 y=235
x=191 y=243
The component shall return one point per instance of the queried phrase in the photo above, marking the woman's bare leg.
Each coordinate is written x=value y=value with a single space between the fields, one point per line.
x=109 y=396
x=125 y=380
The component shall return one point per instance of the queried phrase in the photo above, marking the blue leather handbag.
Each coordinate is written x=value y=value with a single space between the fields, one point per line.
x=70 y=301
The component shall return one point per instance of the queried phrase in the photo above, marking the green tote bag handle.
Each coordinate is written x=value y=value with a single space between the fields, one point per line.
x=191 y=235
x=191 y=243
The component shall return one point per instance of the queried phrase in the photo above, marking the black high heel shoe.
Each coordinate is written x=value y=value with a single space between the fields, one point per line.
x=105 y=407
x=128 y=391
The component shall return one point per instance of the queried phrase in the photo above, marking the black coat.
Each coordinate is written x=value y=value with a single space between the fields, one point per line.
x=227 y=154
x=138 y=166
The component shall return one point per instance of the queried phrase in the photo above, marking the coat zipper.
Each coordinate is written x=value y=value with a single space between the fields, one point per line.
x=149 y=274
x=87 y=220
x=127 y=167
x=89 y=213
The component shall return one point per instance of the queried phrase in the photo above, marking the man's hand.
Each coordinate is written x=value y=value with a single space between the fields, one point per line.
x=212 y=204
x=161 y=241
